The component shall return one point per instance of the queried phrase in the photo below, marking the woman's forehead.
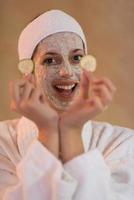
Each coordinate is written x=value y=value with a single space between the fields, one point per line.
x=64 y=41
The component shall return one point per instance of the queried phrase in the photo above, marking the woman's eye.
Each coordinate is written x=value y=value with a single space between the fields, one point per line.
x=49 y=61
x=77 y=58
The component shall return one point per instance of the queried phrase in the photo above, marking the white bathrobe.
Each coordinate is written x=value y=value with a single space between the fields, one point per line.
x=28 y=171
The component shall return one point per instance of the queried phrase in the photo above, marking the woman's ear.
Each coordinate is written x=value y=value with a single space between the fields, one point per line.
x=30 y=77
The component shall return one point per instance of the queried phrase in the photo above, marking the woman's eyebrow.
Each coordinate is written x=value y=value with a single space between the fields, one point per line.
x=75 y=50
x=50 y=53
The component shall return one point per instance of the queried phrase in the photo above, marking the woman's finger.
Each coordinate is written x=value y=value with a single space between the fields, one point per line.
x=27 y=91
x=105 y=95
x=15 y=89
x=30 y=78
x=84 y=85
x=106 y=81
x=37 y=95
x=94 y=106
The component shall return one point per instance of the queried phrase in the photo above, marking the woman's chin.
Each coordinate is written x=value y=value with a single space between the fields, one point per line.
x=60 y=103
x=59 y=106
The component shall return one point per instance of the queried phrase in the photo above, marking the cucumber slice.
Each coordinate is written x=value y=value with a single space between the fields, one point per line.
x=88 y=62
x=26 y=66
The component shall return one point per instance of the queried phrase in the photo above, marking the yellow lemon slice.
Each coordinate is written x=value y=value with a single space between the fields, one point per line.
x=26 y=66
x=88 y=62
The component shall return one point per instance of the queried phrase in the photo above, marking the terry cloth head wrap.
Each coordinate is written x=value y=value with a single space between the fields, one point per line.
x=48 y=23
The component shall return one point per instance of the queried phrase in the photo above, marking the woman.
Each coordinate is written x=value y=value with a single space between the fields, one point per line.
x=56 y=151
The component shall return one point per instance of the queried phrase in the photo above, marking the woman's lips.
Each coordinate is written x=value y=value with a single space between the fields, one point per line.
x=65 y=90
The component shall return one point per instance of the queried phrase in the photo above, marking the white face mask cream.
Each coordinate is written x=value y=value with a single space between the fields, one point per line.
x=57 y=68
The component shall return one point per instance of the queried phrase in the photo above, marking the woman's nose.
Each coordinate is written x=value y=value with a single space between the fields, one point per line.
x=66 y=71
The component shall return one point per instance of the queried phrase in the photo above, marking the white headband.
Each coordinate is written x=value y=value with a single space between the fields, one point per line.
x=50 y=22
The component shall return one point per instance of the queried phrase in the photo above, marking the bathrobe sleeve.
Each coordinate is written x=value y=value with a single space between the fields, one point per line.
x=109 y=176
x=37 y=175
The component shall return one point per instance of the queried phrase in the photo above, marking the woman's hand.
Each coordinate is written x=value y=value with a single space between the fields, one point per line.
x=30 y=102
x=95 y=96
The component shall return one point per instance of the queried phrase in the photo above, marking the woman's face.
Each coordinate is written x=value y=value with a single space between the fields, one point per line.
x=57 y=68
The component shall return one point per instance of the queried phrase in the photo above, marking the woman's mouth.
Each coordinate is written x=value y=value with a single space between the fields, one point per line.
x=66 y=90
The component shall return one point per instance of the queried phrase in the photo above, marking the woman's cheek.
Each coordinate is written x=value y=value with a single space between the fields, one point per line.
x=77 y=71
x=48 y=77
